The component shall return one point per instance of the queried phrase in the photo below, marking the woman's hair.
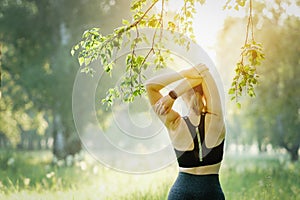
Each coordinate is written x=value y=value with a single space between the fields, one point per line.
x=189 y=94
x=199 y=89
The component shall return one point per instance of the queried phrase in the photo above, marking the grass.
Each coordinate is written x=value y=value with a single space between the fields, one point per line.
x=31 y=175
x=260 y=177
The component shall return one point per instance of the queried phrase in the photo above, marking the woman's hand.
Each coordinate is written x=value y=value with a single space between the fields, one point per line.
x=194 y=72
x=164 y=105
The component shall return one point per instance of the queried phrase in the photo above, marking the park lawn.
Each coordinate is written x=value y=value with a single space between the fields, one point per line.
x=30 y=175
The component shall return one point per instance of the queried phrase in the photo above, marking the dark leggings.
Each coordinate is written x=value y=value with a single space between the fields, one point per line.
x=196 y=187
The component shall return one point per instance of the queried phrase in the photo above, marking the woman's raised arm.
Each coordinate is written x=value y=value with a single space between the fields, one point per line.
x=162 y=105
x=190 y=78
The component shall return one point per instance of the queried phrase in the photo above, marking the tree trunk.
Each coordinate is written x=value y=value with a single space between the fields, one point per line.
x=294 y=154
x=3 y=141
x=292 y=148
x=39 y=143
x=58 y=138
x=30 y=140
x=261 y=146
x=21 y=144
x=73 y=144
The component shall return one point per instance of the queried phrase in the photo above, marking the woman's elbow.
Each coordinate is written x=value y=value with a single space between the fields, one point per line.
x=151 y=86
x=148 y=86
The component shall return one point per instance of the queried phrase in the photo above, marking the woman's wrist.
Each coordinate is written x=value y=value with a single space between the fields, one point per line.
x=201 y=68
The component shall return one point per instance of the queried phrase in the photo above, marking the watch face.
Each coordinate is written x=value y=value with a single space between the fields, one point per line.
x=173 y=95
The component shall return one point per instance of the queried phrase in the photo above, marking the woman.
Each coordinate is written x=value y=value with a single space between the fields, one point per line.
x=198 y=138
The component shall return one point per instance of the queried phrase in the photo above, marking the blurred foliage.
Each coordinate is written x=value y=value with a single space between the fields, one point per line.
x=273 y=116
x=280 y=86
x=37 y=69
x=14 y=118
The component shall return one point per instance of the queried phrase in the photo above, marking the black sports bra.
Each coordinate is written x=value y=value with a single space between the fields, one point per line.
x=200 y=155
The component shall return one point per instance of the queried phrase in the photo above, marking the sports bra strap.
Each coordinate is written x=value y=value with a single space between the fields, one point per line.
x=191 y=127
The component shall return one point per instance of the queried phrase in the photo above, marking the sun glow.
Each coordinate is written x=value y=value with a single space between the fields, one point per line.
x=208 y=20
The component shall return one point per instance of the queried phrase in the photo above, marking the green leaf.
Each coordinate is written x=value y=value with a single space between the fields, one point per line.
x=139 y=60
x=72 y=52
x=87 y=61
x=153 y=23
x=241 y=3
x=108 y=68
x=84 y=70
x=81 y=60
x=125 y=22
x=202 y=1
x=231 y=91
x=128 y=59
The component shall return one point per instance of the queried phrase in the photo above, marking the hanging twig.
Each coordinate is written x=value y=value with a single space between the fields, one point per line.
x=246 y=77
x=0 y=71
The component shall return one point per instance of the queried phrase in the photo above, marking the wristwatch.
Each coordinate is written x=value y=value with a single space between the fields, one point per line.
x=173 y=94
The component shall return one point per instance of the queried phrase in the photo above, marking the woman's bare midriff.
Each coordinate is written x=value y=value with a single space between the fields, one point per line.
x=203 y=170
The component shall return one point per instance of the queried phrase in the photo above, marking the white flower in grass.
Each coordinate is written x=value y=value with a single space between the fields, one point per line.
x=50 y=175
x=95 y=169
x=83 y=165
x=10 y=161
x=26 y=181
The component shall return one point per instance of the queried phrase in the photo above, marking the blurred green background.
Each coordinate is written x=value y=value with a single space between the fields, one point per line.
x=41 y=156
